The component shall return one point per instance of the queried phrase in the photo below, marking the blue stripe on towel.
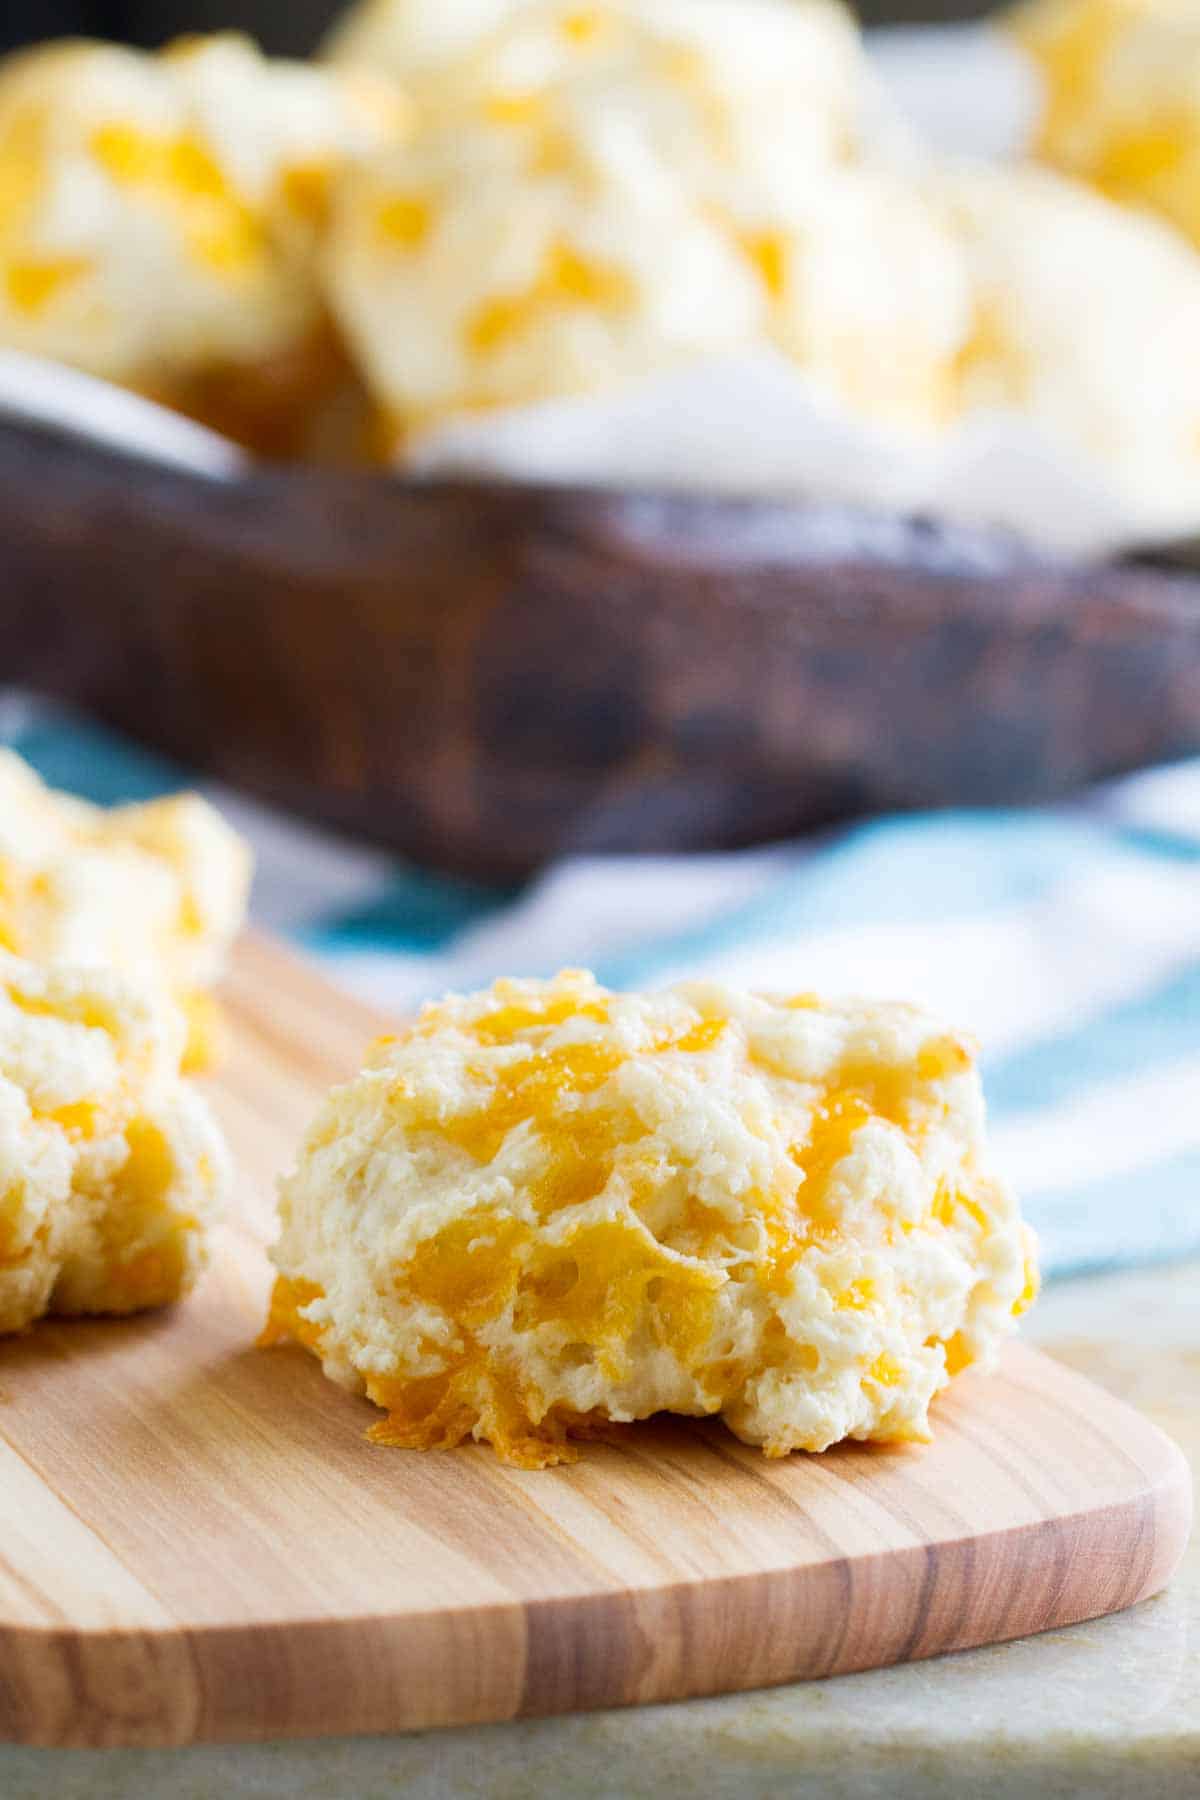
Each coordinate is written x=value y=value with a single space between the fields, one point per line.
x=1159 y=1026
x=417 y=913
x=902 y=871
x=1143 y=1216
x=91 y=761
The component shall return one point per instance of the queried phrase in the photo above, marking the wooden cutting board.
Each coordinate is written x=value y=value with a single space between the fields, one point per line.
x=197 y=1542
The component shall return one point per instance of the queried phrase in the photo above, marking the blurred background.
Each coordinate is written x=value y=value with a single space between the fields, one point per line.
x=293 y=26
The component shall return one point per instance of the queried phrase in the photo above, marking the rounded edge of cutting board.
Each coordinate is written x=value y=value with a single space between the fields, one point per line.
x=169 y=1686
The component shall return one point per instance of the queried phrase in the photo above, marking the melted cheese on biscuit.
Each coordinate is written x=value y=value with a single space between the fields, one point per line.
x=1122 y=98
x=549 y=1205
x=158 y=890
x=110 y=1166
x=159 y=213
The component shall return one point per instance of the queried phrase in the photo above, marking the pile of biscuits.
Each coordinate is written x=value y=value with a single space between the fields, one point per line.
x=470 y=209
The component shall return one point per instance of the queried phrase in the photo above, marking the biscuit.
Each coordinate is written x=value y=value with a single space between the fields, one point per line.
x=549 y=1207
x=111 y=1166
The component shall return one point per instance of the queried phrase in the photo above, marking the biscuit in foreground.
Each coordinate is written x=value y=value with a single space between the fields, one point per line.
x=547 y=1207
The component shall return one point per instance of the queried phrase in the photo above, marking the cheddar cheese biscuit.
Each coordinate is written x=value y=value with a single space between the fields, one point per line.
x=548 y=1206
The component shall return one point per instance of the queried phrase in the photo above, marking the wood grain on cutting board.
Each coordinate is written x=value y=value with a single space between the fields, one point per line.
x=197 y=1542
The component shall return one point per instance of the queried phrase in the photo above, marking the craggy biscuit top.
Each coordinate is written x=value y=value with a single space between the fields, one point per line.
x=110 y=1165
x=158 y=889
x=550 y=1205
x=158 y=212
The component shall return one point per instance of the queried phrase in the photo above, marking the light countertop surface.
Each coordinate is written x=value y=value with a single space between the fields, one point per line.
x=1105 y=1709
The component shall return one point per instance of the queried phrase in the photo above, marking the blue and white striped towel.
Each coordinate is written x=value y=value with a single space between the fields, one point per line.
x=1067 y=941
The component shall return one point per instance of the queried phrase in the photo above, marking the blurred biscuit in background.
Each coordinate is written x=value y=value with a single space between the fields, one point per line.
x=596 y=194
x=1084 y=327
x=1122 y=98
x=158 y=216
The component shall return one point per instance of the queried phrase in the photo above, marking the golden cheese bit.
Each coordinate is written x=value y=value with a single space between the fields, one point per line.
x=547 y=1207
x=1121 y=106
x=160 y=215
x=110 y=1165
x=158 y=890
x=578 y=177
